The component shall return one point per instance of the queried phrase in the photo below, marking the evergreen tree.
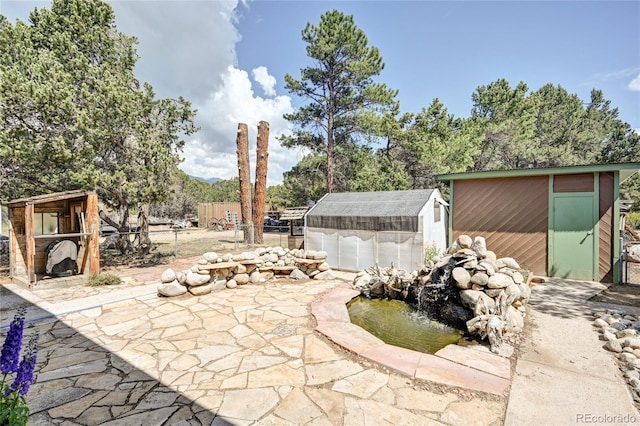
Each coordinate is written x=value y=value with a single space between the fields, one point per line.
x=340 y=89
x=73 y=115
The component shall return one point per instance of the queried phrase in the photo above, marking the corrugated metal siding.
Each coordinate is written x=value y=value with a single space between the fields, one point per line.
x=605 y=224
x=510 y=213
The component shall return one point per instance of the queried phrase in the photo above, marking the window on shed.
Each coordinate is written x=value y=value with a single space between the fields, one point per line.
x=436 y=212
x=45 y=223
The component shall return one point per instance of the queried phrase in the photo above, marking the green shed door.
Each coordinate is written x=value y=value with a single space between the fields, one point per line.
x=572 y=237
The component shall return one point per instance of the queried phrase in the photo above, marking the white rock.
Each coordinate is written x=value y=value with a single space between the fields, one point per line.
x=171 y=289
x=509 y=262
x=199 y=290
x=461 y=277
x=219 y=284
x=255 y=277
x=168 y=275
x=241 y=279
x=210 y=256
x=232 y=284
x=613 y=346
x=324 y=266
x=195 y=279
x=499 y=280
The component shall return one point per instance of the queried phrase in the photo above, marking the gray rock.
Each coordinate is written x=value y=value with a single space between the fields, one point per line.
x=479 y=245
x=297 y=274
x=471 y=297
x=613 y=346
x=525 y=292
x=631 y=342
x=627 y=357
x=324 y=276
x=181 y=276
x=629 y=332
x=171 y=289
x=480 y=278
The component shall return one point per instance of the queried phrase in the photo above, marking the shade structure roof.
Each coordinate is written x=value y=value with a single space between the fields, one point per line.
x=626 y=170
x=370 y=211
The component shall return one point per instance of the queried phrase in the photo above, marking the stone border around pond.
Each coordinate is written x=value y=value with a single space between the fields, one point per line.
x=454 y=365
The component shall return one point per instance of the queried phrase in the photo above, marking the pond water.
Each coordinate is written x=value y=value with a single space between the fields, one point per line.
x=400 y=324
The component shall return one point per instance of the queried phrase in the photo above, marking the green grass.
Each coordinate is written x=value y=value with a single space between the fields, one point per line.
x=103 y=279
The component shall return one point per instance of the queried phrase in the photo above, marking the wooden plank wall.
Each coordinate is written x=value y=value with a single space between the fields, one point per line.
x=208 y=211
x=512 y=214
x=605 y=229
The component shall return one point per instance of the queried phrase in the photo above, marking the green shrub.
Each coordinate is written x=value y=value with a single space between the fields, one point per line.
x=431 y=252
x=104 y=279
x=633 y=220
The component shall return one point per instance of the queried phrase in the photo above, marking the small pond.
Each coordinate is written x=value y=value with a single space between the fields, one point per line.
x=400 y=324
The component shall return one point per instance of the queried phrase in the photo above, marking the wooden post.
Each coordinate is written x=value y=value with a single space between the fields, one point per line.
x=93 y=242
x=242 y=142
x=262 y=151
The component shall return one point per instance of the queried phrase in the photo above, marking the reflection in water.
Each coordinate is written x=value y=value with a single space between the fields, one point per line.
x=400 y=324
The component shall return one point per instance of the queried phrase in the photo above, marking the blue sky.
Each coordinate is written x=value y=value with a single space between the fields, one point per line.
x=229 y=58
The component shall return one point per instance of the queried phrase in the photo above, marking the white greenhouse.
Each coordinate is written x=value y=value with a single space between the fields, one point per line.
x=361 y=229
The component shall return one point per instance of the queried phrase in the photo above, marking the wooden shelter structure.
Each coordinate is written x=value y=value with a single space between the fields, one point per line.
x=558 y=222
x=36 y=222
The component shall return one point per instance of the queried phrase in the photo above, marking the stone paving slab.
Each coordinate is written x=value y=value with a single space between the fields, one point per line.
x=440 y=370
x=244 y=356
x=404 y=361
x=480 y=360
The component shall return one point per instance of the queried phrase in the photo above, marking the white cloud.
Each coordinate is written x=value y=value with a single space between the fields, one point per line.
x=212 y=154
x=635 y=84
x=187 y=48
x=268 y=82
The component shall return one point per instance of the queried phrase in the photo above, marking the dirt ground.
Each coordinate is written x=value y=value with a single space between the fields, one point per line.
x=620 y=294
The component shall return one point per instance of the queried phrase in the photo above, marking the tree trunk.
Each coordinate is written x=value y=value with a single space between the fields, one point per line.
x=124 y=242
x=242 y=142
x=144 y=246
x=262 y=152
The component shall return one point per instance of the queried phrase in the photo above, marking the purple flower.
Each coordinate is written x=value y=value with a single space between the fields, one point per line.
x=24 y=376
x=13 y=342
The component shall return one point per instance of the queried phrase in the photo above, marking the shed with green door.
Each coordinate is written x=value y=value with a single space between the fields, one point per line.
x=557 y=222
